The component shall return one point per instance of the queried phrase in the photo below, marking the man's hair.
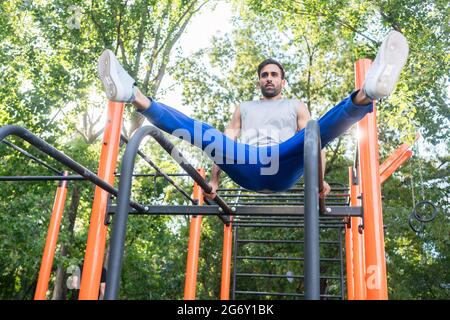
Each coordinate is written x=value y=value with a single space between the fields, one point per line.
x=270 y=61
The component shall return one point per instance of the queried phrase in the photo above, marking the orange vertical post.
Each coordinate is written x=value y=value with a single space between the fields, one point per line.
x=190 y=284
x=95 y=248
x=349 y=250
x=52 y=238
x=359 y=269
x=226 y=260
x=376 y=281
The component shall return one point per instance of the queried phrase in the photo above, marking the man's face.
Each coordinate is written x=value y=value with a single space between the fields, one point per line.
x=270 y=81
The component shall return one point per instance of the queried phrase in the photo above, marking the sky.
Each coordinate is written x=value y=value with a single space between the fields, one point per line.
x=197 y=35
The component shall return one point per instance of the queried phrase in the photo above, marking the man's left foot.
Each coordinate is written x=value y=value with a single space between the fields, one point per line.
x=383 y=75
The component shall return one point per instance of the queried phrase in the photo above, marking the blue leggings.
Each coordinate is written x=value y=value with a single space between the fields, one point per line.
x=272 y=168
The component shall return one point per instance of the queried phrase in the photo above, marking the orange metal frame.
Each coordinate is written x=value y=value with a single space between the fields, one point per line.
x=52 y=238
x=376 y=280
x=395 y=160
x=194 y=245
x=95 y=249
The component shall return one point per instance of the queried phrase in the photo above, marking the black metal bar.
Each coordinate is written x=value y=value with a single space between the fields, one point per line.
x=62 y=158
x=277 y=196
x=282 y=241
x=29 y=155
x=268 y=275
x=342 y=204
x=70 y=177
x=160 y=172
x=282 y=258
x=261 y=225
x=312 y=177
x=334 y=211
x=120 y=221
x=262 y=293
x=289 y=190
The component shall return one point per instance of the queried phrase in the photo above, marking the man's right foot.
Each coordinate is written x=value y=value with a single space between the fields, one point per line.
x=383 y=75
x=119 y=85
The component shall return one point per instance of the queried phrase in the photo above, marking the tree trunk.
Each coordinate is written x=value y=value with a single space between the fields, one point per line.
x=60 y=288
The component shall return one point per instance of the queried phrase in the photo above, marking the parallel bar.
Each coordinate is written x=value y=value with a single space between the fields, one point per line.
x=282 y=258
x=258 y=225
x=70 y=177
x=50 y=244
x=282 y=241
x=261 y=293
x=268 y=275
x=29 y=155
x=46 y=148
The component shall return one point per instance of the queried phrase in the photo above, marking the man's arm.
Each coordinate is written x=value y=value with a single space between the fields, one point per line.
x=232 y=131
x=303 y=116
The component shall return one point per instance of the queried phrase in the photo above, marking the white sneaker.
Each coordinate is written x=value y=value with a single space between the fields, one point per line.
x=383 y=75
x=119 y=85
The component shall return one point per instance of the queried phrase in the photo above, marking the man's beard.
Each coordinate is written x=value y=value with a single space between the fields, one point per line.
x=270 y=92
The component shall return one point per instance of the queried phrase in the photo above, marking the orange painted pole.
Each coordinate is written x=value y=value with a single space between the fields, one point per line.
x=226 y=260
x=190 y=284
x=52 y=238
x=359 y=267
x=393 y=157
x=390 y=169
x=349 y=251
x=376 y=279
x=95 y=248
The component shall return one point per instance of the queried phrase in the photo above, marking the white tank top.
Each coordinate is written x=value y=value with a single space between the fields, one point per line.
x=268 y=122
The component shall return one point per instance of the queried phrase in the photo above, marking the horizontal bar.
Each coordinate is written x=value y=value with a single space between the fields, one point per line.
x=29 y=155
x=287 y=191
x=282 y=258
x=283 y=241
x=297 y=204
x=48 y=149
x=73 y=177
x=283 y=294
x=334 y=211
x=278 y=196
x=323 y=226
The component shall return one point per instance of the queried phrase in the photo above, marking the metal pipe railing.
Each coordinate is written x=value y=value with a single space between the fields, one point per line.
x=62 y=158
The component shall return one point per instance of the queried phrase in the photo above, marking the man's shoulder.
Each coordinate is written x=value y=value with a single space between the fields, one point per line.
x=293 y=100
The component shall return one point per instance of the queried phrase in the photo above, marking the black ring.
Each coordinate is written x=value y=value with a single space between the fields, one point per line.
x=419 y=217
x=410 y=221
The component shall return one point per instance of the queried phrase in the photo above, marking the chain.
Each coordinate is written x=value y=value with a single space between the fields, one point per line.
x=412 y=184
x=422 y=190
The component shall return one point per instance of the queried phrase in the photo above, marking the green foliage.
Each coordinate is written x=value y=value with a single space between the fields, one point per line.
x=48 y=55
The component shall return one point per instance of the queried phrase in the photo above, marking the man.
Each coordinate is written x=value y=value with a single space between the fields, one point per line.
x=270 y=157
